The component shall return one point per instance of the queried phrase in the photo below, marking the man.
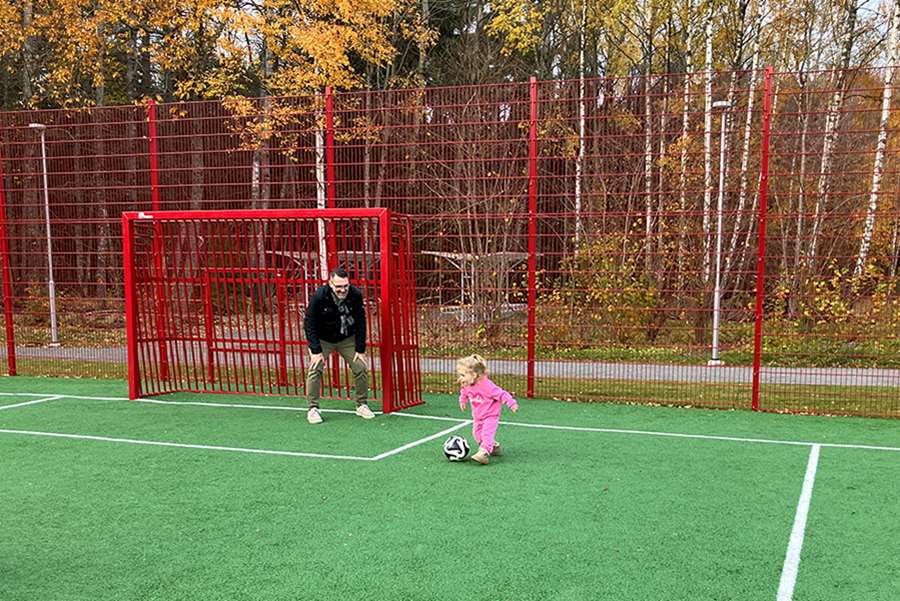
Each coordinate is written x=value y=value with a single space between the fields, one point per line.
x=336 y=321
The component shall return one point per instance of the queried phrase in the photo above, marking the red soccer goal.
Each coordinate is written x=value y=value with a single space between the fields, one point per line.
x=215 y=299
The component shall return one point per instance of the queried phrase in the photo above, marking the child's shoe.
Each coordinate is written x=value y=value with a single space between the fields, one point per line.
x=497 y=450
x=481 y=457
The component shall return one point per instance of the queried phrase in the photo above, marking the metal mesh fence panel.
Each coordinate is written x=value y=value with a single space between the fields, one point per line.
x=596 y=239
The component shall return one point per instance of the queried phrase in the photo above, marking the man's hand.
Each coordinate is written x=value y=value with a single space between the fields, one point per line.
x=315 y=359
x=360 y=357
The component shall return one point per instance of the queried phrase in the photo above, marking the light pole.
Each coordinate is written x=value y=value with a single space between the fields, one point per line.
x=51 y=285
x=724 y=106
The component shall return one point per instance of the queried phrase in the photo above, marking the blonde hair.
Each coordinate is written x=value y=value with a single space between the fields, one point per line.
x=471 y=369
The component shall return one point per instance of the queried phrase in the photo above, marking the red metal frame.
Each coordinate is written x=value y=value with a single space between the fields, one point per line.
x=7 y=282
x=529 y=202
x=238 y=348
x=164 y=216
x=329 y=191
x=157 y=255
x=761 y=255
x=154 y=154
x=387 y=336
x=532 y=229
x=134 y=375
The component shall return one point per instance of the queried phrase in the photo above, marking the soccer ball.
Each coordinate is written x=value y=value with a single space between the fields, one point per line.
x=456 y=448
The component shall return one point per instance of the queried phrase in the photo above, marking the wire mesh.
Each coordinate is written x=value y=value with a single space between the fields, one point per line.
x=629 y=176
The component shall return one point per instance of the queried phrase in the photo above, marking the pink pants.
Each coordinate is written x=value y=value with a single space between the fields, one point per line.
x=483 y=431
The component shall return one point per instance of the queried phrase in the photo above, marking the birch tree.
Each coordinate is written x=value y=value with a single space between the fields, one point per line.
x=832 y=120
x=756 y=19
x=685 y=128
x=881 y=147
x=707 y=146
x=648 y=137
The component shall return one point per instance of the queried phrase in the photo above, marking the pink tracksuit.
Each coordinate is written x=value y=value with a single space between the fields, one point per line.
x=486 y=399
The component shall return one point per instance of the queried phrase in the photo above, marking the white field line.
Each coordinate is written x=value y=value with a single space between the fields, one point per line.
x=792 y=559
x=49 y=398
x=239 y=406
x=508 y=423
x=800 y=443
x=180 y=445
x=67 y=396
x=420 y=441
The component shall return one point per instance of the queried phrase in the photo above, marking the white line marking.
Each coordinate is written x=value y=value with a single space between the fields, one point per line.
x=420 y=441
x=49 y=398
x=792 y=559
x=800 y=443
x=239 y=406
x=521 y=424
x=67 y=396
x=434 y=417
x=183 y=445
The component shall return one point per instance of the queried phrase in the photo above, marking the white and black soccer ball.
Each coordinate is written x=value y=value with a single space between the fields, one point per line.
x=456 y=448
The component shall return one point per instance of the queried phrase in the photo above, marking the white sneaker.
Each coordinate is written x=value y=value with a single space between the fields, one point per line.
x=364 y=412
x=312 y=416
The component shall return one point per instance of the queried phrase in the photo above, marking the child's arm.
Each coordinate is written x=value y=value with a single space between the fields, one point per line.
x=462 y=399
x=503 y=396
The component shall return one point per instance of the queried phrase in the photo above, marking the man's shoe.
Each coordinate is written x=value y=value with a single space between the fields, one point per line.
x=313 y=416
x=364 y=412
x=481 y=457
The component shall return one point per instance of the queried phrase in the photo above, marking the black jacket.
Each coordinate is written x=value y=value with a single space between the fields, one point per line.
x=323 y=319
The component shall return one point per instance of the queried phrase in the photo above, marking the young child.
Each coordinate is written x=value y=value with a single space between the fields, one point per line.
x=486 y=399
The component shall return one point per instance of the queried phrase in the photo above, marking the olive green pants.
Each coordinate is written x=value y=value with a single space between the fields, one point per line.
x=346 y=348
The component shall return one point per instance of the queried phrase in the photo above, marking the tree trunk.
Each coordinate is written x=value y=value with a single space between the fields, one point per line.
x=685 y=126
x=320 y=192
x=579 y=161
x=707 y=152
x=648 y=144
x=878 y=168
x=28 y=67
x=831 y=127
x=745 y=151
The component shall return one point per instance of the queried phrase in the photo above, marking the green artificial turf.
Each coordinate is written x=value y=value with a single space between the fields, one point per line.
x=641 y=514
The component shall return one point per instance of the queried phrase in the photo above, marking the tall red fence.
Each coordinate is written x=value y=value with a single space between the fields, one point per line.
x=595 y=239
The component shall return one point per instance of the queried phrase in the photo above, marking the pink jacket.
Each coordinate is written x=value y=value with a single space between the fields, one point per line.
x=486 y=399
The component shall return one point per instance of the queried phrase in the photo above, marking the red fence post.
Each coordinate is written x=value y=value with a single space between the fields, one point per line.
x=329 y=191
x=761 y=254
x=154 y=194
x=532 y=227
x=329 y=145
x=7 y=282
x=154 y=160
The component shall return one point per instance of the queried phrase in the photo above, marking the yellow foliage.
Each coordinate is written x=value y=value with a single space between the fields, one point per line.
x=518 y=24
x=209 y=48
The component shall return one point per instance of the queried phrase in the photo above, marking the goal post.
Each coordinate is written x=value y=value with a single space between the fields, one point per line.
x=215 y=300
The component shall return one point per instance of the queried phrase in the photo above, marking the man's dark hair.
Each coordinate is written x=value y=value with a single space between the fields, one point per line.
x=339 y=271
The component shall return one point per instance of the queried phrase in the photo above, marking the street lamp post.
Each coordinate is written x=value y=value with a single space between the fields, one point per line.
x=51 y=284
x=724 y=106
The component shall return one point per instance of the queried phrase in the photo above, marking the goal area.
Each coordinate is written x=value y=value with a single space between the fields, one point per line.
x=215 y=300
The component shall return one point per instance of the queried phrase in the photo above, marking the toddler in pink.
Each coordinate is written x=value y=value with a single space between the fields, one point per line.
x=486 y=399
